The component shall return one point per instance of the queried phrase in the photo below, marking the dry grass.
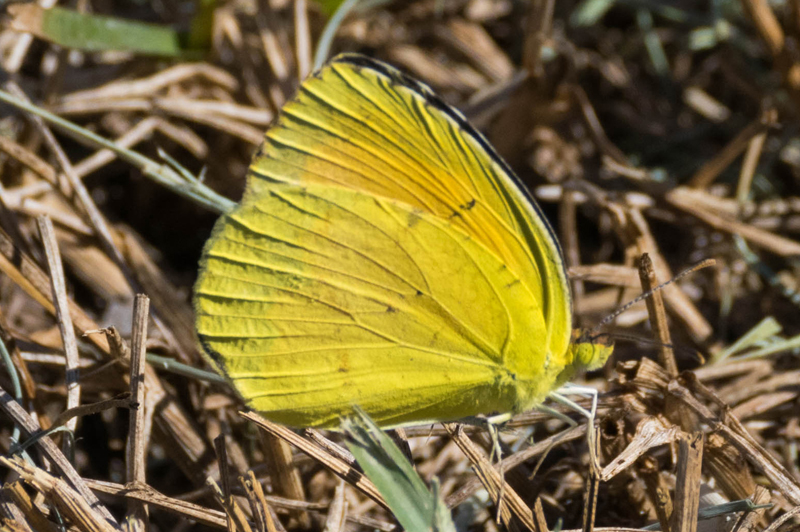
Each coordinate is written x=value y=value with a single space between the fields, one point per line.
x=669 y=130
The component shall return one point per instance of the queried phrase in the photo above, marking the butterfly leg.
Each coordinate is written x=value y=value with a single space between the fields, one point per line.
x=499 y=419
x=491 y=425
x=556 y=414
x=585 y=391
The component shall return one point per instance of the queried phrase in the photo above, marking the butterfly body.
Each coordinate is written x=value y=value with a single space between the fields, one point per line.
x=383 y=256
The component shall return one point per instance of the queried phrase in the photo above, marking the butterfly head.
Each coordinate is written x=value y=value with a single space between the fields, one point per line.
x=586 y=352
x=590 y=352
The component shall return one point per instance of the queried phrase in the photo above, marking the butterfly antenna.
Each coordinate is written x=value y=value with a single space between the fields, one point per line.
x=649 y=341
x=691 y=269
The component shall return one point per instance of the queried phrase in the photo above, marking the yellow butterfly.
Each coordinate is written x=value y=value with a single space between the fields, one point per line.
x=385 y=256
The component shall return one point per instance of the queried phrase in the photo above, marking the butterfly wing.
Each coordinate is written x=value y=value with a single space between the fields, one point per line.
x=361 y=124
x=315 y=298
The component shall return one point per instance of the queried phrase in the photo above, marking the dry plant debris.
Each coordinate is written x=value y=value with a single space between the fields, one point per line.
x=665 y=129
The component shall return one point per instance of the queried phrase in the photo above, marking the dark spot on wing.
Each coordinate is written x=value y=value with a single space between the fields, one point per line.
x=413 y=219
x=434 y=339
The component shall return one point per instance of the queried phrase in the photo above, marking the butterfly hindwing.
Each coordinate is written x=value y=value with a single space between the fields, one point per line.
x=313 y=296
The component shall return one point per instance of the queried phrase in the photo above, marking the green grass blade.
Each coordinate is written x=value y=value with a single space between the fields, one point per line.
x=413 y=505
x=162 y=174
x=94 y=33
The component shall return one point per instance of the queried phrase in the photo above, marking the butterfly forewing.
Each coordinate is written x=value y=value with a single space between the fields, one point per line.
x=361 y=124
